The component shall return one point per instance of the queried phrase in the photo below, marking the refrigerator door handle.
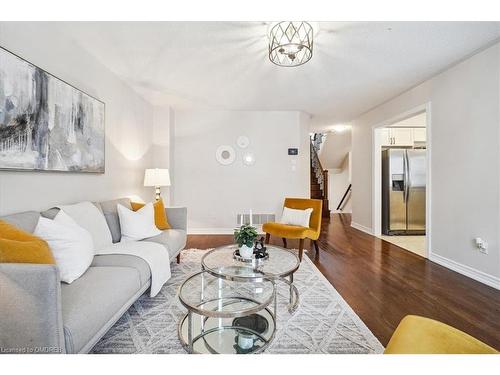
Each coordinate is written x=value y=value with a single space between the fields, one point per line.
x=407 y=181
x=404 y=177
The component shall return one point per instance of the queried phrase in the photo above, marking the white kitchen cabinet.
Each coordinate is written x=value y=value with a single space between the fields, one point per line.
x=419 y=134
x=397 y=137
x=402 y=136
x=385 y=137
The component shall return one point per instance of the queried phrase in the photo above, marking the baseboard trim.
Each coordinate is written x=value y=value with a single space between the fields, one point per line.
x=477 y=275
x=362 y=228
x=217 y=230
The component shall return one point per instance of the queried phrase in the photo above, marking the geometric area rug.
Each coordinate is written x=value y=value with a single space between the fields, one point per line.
x=323 y=322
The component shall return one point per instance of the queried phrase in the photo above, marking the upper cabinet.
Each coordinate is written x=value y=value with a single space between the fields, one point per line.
x=385 y=135
x=419 y=134
x=403 y=137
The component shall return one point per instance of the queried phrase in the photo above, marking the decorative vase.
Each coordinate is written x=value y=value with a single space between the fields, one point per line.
x=245 y=341
x=246 y=251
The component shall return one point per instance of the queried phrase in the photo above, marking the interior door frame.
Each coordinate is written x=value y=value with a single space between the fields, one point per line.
x=377 y=169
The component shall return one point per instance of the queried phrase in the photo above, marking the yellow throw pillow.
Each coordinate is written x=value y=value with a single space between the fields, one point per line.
x=18 y=246
x=160 y=214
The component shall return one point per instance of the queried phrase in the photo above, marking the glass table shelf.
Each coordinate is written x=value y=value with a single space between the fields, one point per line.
x=226 y=316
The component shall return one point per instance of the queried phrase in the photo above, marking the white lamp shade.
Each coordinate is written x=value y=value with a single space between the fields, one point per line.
x=156 y=177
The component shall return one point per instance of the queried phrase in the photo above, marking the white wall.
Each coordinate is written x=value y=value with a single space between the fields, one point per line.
x=465 y=164
x=335 y=157
x=215 y=194
x=128 y=126
x=338 y=181
x=162 y=142
x=335 y=147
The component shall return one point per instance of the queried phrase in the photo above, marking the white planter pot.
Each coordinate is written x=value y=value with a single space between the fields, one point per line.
x=246 y=252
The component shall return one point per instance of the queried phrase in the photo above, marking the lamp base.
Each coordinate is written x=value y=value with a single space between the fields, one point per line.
x=158 y=193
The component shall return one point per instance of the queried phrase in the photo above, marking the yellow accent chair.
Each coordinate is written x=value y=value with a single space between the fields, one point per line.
x=419 y=335
x=295 y=232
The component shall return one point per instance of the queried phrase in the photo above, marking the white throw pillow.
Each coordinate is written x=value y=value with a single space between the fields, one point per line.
x=296 y=217
x=90 y=218
x=71 y=245
x=137 y=225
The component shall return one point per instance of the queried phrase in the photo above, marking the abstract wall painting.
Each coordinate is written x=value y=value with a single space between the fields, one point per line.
x=45 y=123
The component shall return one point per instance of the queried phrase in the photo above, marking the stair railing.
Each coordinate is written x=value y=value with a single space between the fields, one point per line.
x=320 y=174
x=339 y=207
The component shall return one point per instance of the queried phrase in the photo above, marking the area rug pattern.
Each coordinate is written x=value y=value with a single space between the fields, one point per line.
x=324 y=322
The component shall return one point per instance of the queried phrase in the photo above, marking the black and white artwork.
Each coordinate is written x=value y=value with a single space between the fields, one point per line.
x=45 y=123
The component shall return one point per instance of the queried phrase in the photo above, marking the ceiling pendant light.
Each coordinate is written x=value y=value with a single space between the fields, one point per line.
x=291 y=43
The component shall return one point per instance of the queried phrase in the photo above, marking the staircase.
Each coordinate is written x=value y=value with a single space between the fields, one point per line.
x=319 y=176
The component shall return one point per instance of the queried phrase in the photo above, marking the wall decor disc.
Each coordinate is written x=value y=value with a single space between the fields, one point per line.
x=243 y=141
x=225 y=155
x=249 y=159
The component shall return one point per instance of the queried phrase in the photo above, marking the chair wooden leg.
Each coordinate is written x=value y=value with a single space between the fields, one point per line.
x=178 y=258
x=284 y=242
x=301 y=248
x=268 y=237
x=317 y=249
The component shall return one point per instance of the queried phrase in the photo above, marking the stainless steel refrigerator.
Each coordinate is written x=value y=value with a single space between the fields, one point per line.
x=403 y=191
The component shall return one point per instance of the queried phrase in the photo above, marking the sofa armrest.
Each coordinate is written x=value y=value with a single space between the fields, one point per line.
x=30 y=309
x=177 y=217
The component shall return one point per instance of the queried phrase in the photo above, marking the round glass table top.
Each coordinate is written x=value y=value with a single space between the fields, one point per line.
x=220 y=261
x=213 y=296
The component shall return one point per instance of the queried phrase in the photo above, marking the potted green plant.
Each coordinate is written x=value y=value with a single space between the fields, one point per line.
x=245 y=237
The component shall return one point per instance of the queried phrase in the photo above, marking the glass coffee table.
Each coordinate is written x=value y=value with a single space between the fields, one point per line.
x=232 y=302
x=226 y=316
x=279 y=266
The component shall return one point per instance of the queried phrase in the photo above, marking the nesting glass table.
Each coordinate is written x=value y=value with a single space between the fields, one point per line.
x=232 y=302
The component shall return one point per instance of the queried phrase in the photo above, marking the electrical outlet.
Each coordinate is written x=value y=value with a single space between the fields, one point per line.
x=481 y=245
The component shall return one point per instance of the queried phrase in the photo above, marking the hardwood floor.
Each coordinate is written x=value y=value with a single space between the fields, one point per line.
x=383 y=283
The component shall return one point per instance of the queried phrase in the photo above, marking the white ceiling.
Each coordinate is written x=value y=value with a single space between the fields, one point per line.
x=224 y=65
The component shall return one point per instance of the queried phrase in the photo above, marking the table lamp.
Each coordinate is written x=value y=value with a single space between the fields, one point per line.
x=156 y=177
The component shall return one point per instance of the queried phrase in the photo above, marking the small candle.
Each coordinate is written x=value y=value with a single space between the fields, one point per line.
x=241 y=220
x=250 y=217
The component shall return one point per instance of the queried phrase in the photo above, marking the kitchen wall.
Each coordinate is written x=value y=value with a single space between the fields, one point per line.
x=129 y=122
x=215 y=194
x=465 y=162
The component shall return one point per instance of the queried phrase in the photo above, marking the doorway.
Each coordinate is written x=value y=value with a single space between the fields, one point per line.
x=401 y=180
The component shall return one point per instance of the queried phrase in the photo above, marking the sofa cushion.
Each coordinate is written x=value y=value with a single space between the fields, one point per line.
x=124 y=260
x=92 y=303
x=20 y=246
x=52 y=212
x=161 y=220
x=137 y=225
x=26 y=221
x=71 y=245
x=173 y=239
x=90 y=217
x=111 y=214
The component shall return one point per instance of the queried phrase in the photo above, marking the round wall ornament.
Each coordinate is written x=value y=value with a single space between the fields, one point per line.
x=249 y=159
x=225 y=155
x=243 y=141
